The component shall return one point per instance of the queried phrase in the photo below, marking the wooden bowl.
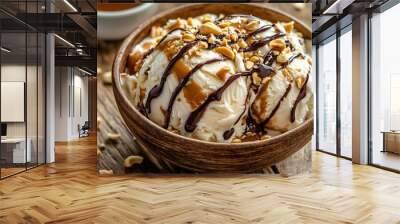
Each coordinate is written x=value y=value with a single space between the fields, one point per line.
x=197 y=155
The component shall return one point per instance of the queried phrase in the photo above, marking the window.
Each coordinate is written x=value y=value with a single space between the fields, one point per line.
x=22 y=76
x=327 y=96
x=385 y=89
x=346 y=93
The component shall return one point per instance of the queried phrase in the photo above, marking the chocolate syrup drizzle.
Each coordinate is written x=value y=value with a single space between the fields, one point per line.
x=262 y=124
x=268 y=59
x=301 y=96
x=227 y=134
x=159 y=42
x=291 y=59
x=157 y=90
x=182 y=84
x=195 y=116
x=260 y=43
x=257 y=31
x=263 y=70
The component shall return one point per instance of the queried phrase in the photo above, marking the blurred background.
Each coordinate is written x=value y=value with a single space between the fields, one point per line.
x=48 y=78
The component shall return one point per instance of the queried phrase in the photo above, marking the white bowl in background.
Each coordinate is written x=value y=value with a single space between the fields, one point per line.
x=114 y=25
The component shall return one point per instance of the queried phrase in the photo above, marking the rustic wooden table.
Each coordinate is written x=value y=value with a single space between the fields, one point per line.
x=111 y=154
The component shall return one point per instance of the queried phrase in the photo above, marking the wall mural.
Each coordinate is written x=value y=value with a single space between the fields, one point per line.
x=206 y=89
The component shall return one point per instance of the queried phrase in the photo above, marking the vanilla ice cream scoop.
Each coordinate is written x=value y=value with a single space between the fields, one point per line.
x=221 y=78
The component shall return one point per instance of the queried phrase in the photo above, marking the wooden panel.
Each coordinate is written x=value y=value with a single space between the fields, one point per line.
x=392 y=142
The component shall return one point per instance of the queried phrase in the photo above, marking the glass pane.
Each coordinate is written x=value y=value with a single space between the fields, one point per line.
x=327 y=96
x=314 y=88
x=385 y=82
x=13 y=87
x=346 y=94
x=31 y=98
x=41 y=98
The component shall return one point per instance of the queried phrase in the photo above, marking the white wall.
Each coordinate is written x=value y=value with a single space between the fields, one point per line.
x=70 y=84
x=61 y=103
x=33 y=127
x=16 y=73
x=50 y=95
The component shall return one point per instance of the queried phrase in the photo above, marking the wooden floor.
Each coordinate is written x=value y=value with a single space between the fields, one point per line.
x=387 y=159
x=69 y=191
x=10 y=171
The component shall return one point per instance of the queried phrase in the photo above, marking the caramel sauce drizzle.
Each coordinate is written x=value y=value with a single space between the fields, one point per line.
x=222 y=73
x=302 y=94
x=195 y=116
x=269 y=60
x=194 y=94
x=227 y=134
x=157 y=89
x=277 y=106
x=159 y=43
x=260 y=43
x=182 y=84
x=180 y=69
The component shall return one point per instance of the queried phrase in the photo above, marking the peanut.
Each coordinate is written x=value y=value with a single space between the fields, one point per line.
x=210 y=28
x=107 y=78
x=106 y=172
x=99 y=120
x=113 y=137
x=256 y=79
x=187 y=37
x=233 y=37
x=249 y=64
x=277 y=44
x=289 y=26
x=224 y=24
x=284 y=56
x=224 y=42
x=203 y=45
x=235 y=47
x=300 y=81
x=226 y=51
x=264 y=137
x=131 y=160
x=190 y=21
x=236 y=140
x=211 y=39
x=252 y=25
x=287 y=74
x=242 y=43
x=255 y=59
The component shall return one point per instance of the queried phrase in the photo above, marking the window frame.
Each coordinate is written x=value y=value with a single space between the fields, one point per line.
x=378 y=10
x=334 y=37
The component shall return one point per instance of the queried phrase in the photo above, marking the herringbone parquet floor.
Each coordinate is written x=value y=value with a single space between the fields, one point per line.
x=69 y=191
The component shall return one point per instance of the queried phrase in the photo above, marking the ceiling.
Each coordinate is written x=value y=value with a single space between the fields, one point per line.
x=72 y=20
x=331 y=15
